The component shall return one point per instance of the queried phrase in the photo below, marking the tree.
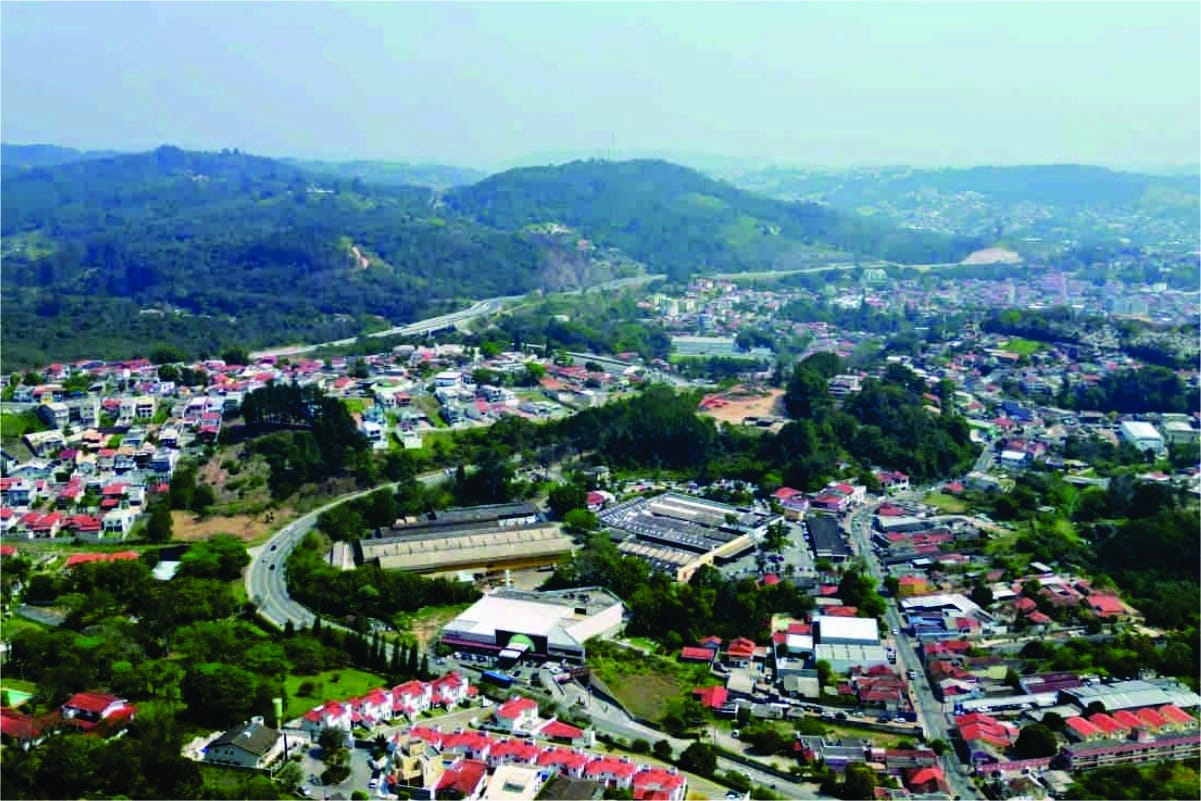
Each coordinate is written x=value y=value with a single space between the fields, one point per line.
x=824 y=671
x=860 y=782
x=330 y=739
x=640 y=746
x=581 y=521
x=159 y=527
x=1035 y=740
x=290 y=776
x=662 y=750
x=699 y=758
x=202 y=498
x=982 y=595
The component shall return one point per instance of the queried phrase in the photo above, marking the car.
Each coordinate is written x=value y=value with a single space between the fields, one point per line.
x=304 y=791
x=895 y=631
x=735 y=734
x=733 y=796
x=274 y=545
x=371 y=785
x=272 y=567
x=840 y=715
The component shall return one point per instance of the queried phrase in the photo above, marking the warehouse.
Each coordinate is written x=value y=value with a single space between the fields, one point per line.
x=483 y=539
x=678 y=533
x=515 y=624
x=1142 y=436
x=847 y=642
x=827 y=540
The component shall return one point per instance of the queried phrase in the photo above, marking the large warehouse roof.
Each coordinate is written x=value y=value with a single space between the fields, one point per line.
x=534 y=614
x=493 y=546
x=848 y=630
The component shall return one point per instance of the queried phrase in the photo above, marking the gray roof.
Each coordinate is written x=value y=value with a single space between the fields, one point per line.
x=254 y=737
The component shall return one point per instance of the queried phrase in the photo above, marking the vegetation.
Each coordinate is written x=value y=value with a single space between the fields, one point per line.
x=1173 y=780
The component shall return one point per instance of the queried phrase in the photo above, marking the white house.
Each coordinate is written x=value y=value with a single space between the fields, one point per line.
x=252 y=745
x=517 y=714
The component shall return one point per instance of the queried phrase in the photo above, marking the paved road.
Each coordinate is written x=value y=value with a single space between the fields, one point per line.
x=452 y=320
x=266 y=579
x=931 y=714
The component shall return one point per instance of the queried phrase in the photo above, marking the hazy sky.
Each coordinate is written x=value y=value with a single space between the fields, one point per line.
x=492 y=84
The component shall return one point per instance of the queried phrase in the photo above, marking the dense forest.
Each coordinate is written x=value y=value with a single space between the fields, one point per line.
x=109 y=256
x=679 y=222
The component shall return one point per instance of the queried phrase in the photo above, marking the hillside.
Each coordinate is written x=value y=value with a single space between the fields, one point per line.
x=393 y=173
x=203 y=250
x=114 y=256
x=679 y=221
x=15 y=158
x=1049 y=202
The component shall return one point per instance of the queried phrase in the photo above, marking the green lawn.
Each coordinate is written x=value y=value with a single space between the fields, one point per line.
x=330 y=685
x=945 y=504
x=1023 y=347
x=643 y=642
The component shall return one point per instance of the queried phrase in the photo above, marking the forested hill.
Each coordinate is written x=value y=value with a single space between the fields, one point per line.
x=393 y=173
x=679 y=221
x=113 y=256
x=15 y=158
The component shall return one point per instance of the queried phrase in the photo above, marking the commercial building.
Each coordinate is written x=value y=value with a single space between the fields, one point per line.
x=1142 y=435
x=514 y=624
x=484 y=539
x=827 y=540
x=846 y=642
x=678 y=533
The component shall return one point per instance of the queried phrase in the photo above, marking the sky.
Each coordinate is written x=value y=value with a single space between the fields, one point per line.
x=489 y=85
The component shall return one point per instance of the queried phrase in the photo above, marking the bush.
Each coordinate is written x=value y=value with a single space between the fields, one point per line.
x=335 y=774
x=306 y=689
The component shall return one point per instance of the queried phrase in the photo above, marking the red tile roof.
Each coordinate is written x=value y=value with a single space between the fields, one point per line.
x=712 y=697
x=561 y=730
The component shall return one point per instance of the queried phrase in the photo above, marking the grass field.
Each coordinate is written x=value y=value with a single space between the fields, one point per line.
x=644 y=683
x=945 y=504
x=1023 y=347
x=429 y=620
x=330 y=685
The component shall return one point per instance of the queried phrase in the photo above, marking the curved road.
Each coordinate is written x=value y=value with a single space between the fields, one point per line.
x=266 y=582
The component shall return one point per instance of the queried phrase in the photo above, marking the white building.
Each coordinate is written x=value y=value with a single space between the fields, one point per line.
x=1142 y=436
x=252 y=745
x=845 y=642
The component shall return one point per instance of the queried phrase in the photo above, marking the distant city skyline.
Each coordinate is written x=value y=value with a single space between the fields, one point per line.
x=495 y=85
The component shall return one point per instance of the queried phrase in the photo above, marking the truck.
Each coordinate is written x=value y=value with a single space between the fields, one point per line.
x=503 y=680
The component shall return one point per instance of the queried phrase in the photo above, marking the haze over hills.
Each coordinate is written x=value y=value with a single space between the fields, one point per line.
x=1051 y=202
x=200 y=250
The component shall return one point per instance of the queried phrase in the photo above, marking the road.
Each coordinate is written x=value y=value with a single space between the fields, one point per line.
x=931 y=714
x=480 y=308
x=266 y=579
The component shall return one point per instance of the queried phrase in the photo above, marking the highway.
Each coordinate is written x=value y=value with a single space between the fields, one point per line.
x=480 y=308
x=931 y=714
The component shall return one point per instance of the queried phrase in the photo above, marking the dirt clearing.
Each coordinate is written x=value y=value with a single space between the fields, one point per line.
x=739 y=403
x=251 y=529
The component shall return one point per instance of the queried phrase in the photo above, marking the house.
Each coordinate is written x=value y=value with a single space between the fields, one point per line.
x=692 y=653
x=88 y=710
x=517 y=714
x=612 y=771
x=23 y=730
x=468 y=744
x=714 y=697
x=659 y=784
x=331 y=715
x=566 y=761
x=513 y=750
x=565 y=788
x=253 y=745
x=740 y=652
x=925 y=780
x=449 y=690
x=464 y=779
x=411 y=698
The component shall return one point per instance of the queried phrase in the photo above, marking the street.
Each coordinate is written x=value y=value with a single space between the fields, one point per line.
x=931 y=714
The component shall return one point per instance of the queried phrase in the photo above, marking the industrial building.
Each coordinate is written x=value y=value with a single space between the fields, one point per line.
x=514 y=624
x=846 y=642
x=827 y=540
x=1142 y=435
x=480 y=539
x=679 y=533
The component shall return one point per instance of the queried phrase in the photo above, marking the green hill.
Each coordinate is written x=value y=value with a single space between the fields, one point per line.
x=111 y=256
x=202 y=250
x=679 y=221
